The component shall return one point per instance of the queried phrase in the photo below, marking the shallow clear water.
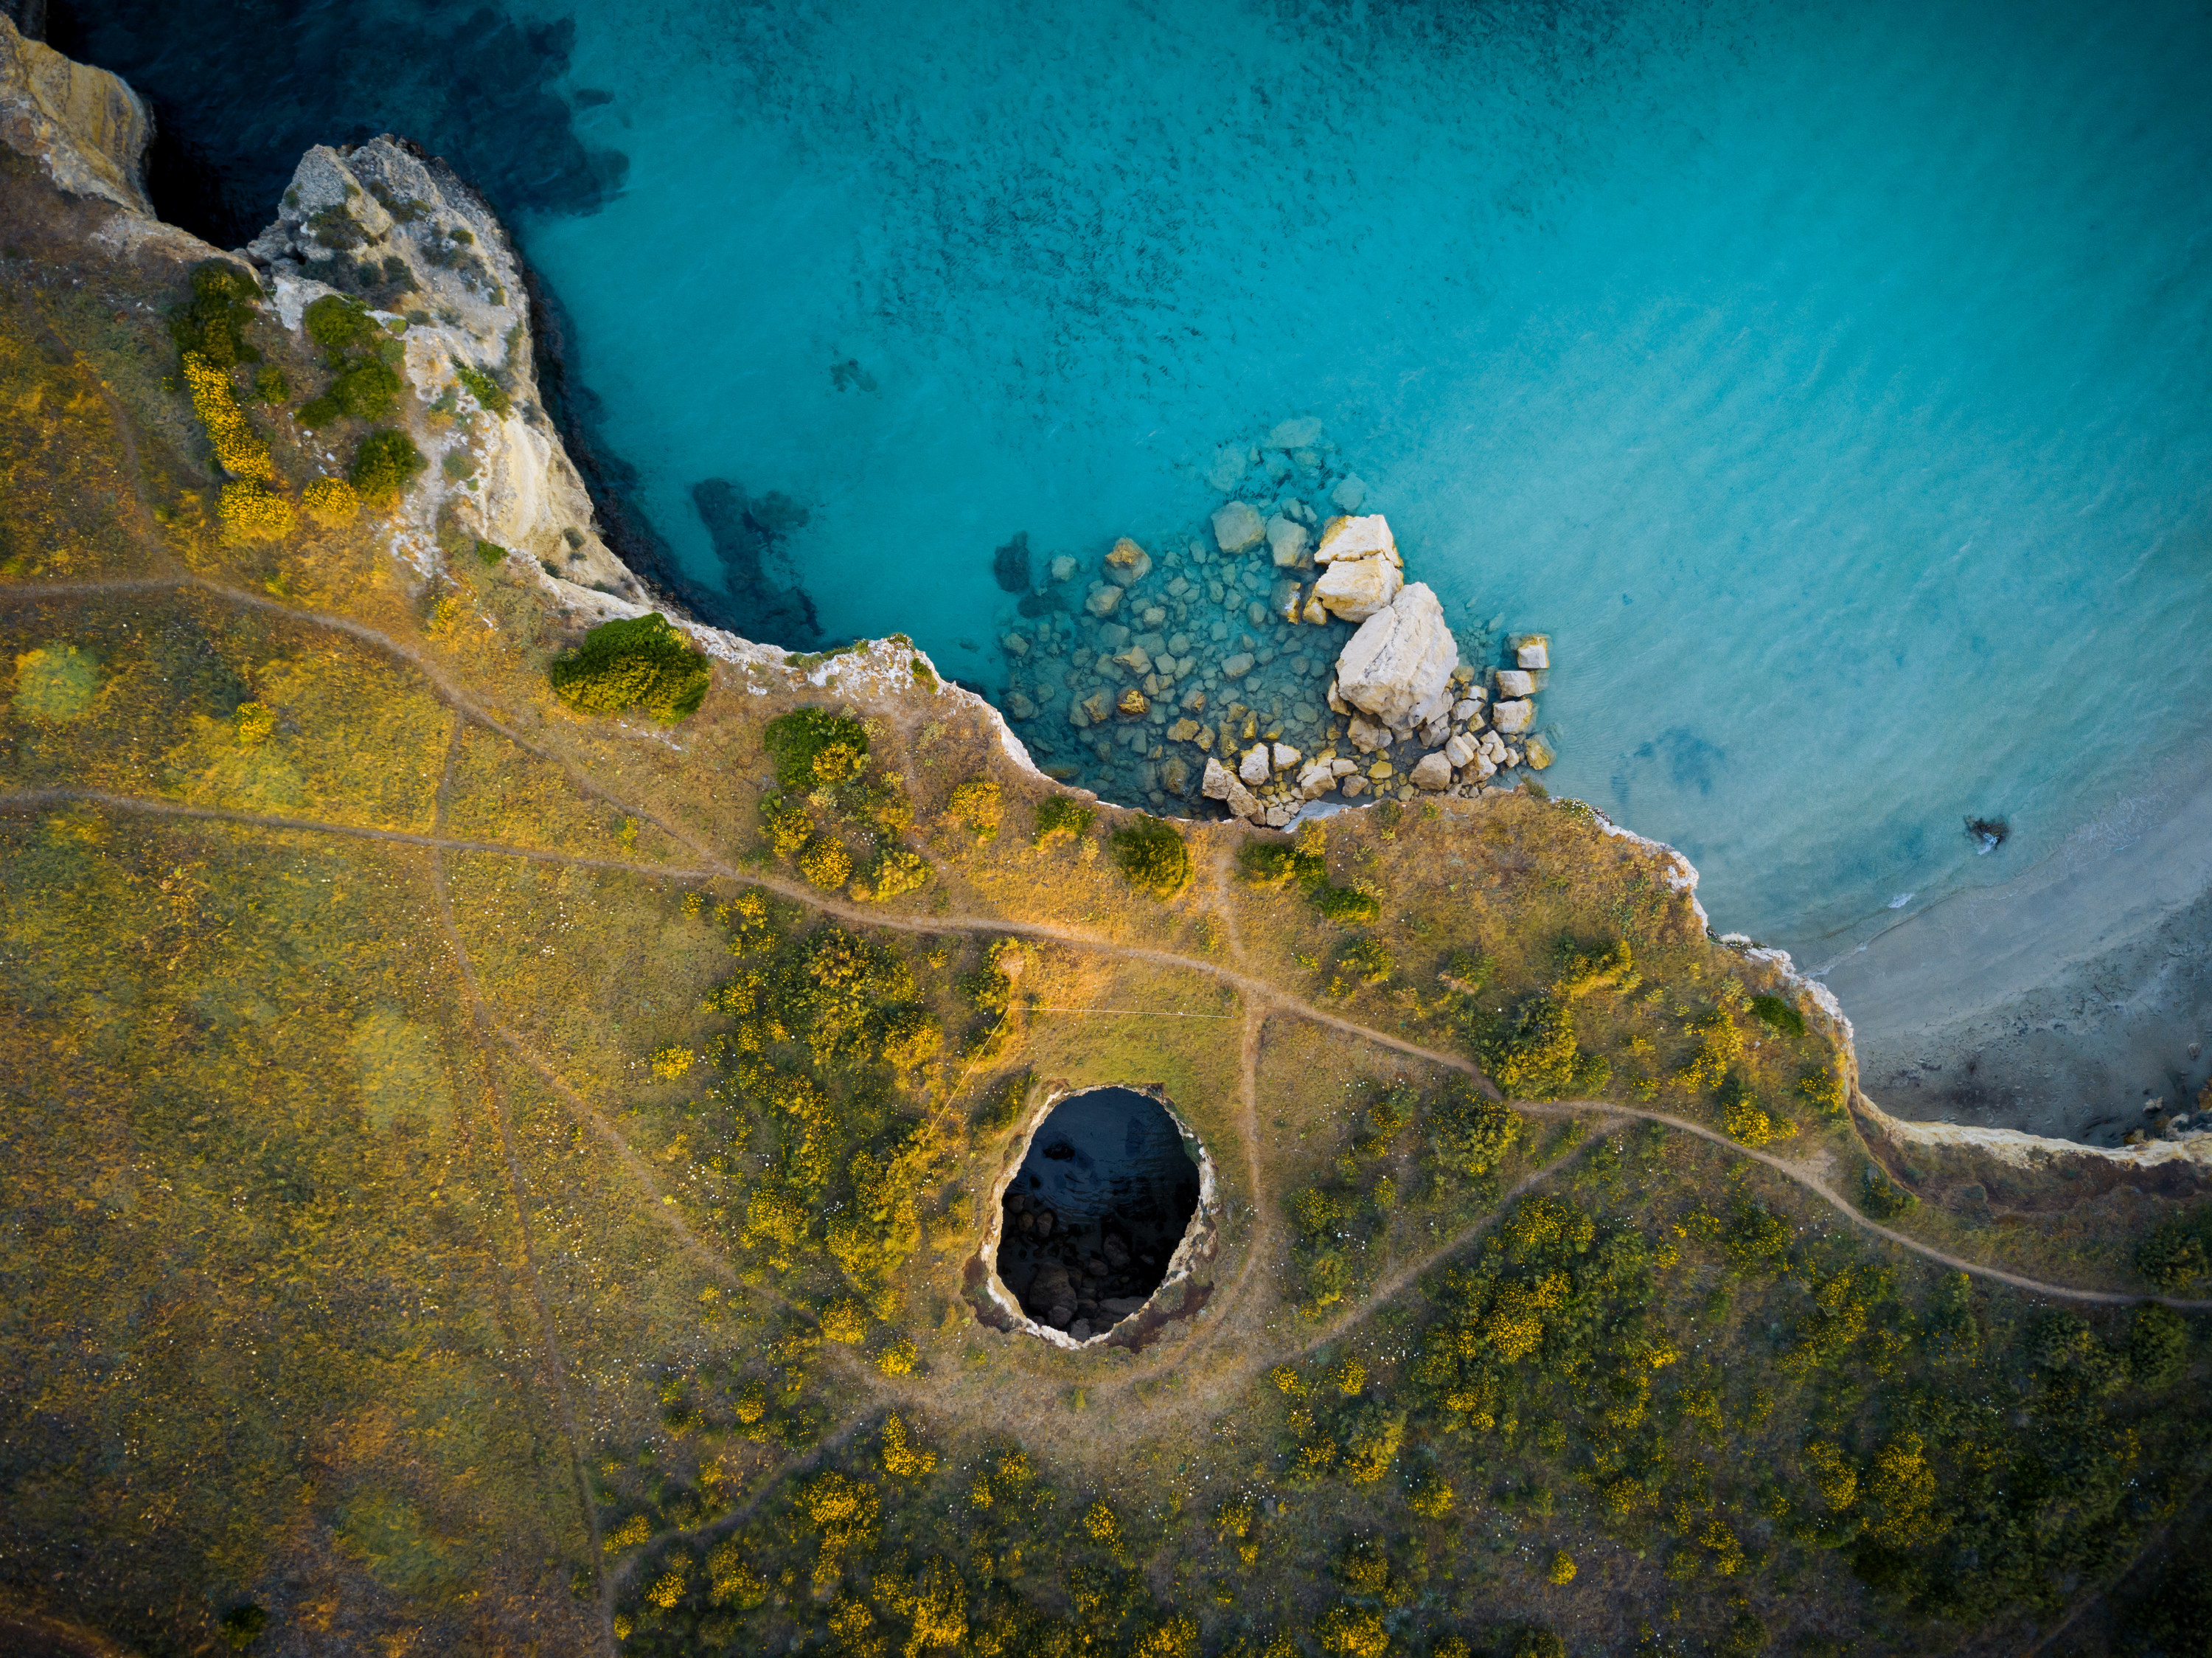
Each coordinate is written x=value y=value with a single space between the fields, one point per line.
x=1830 y=381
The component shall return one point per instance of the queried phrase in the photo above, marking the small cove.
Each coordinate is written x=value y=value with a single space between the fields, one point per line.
x=1827 y=381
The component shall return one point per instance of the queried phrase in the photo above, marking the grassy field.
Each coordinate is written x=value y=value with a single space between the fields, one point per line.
x=473 y=1185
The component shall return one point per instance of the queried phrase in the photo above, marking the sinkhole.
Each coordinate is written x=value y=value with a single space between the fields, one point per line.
x=1105 y=1206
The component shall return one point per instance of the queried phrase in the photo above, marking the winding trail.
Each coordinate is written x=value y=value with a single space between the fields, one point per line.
x=1261 y=1000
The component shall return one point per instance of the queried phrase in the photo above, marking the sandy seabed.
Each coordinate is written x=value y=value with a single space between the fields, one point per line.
x=2063 y=1001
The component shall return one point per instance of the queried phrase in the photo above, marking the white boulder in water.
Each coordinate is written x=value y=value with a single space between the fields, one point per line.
x=1514 y=716
x=1358 y=537
x=1353 y=589
x=1363 y=572
x=1432 y=772
x=1398 y=667
x=1287 y=540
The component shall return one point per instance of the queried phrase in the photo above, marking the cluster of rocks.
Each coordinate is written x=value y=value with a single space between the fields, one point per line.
x=1278 y=656
x=1416 y=720
x=1081 y=1278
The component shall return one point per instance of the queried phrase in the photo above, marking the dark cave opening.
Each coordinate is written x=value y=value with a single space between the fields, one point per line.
x=1093 y=1216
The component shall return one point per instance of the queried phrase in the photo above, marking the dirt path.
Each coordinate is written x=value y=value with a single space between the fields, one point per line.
x=1256 y=991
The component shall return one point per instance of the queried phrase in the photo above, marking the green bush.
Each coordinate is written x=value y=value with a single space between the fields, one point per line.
x=1346 y=905
x=813 y=749
x=1534 y=1058
x=1779 y=1014
x=1881 y=1197
x=1152 y=856
x=1582 y=972
x=642 y=662
x=491 y=552
x=213 y=322
x=341 y=326
x=366 y=388
x=1466 y=971
x=383 y=466
x=486 y=390
x=270 y=385
x=1304 y=864
x=1364 y=961
x=2175 y=1256
x=1057 y=815
x=1471 y=1132
x=2158 y=1346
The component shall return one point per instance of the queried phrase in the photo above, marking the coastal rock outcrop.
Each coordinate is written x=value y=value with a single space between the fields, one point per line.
x=381 y=225
x=1364 y=572
x=1398 y=667
x=84 y=127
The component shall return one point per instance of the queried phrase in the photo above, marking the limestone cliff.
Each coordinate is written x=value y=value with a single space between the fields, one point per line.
x=86 y=128
x=381 y=223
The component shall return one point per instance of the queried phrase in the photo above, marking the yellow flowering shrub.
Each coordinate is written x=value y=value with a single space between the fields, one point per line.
x=249 y=508
x=253 y=722
x=330 y=501
x=731 y=1581
x=671 y=1063
x=237 y=449
x=1351 y=1633
x=1100 y=1525
x=1837 y=1480
x=825 y=862
x=845 y=1320
x=897 y=1360
x=1562 y=1568
x=901 y=1456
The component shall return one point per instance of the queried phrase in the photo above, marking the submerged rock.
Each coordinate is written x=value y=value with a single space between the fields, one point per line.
x=1540 y=752
x=1236 y=527
x=1127 y=563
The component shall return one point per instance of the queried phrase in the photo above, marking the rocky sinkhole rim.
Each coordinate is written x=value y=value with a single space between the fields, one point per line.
x=1193 y=1249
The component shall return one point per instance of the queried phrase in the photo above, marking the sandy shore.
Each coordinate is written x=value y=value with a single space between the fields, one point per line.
x=2063 y=1001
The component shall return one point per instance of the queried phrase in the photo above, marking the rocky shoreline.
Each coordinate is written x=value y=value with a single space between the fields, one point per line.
x=1273 y=659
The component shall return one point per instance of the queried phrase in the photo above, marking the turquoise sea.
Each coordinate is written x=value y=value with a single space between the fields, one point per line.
x=1833 y=383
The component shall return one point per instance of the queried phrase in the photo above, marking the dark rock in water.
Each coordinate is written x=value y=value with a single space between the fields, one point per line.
x=1010 y=565
x=748 y=532
x=1042 y=604
x=590 y=97
x=1990 y=832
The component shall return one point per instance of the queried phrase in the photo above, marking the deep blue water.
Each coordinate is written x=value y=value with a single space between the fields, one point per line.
x=1831 y=381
